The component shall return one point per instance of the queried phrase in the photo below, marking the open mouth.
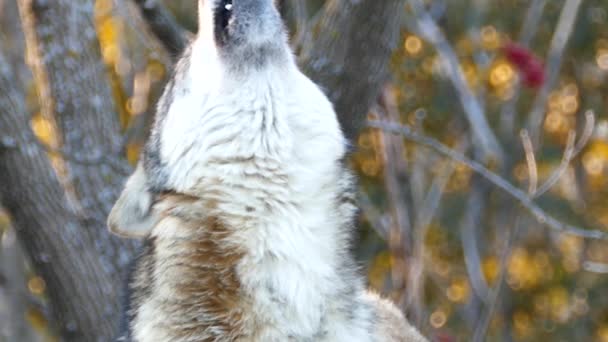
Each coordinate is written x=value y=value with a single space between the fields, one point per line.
x=225 y=14
x=222 y=17
x=228 y=5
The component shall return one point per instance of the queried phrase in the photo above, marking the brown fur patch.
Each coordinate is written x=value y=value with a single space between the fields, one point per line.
x=206 y=302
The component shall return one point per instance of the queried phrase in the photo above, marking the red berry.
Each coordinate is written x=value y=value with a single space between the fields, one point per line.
x=517 y=54
x=444 y=337
x=534 y=74
x=529 y=66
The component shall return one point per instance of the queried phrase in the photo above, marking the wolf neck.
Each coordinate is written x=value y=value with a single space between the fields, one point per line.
x=223 y=120
x=231 y=142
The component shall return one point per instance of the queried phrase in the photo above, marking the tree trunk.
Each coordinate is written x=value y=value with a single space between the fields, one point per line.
x=350 y=56
x=61 y=217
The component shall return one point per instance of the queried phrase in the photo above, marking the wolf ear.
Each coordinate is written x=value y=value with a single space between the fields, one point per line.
x=132 y=215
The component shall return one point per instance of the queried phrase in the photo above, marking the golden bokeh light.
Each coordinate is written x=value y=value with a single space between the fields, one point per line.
x=459 y=290
x=602 y=334
x=490 y=269
x=602 y=59
x=490 y=38
x=438 y=319
x=559 y=302
x=595 y=158
x=36 y=285
x=502 y=74
x=413 y=45
x=522 y=324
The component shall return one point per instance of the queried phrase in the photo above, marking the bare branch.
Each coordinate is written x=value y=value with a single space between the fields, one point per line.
x=395 y=176
x=595 y=267
x=425 y=214
x=473 y=216
x=528 y=31
x=493 y=296
x=483 y=134
x=167 y=30
x=537 y=212
x=554 y=61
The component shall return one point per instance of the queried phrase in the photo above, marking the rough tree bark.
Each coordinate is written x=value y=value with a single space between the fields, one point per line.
x=50 y=229
x=15 y=300
x=61 y=218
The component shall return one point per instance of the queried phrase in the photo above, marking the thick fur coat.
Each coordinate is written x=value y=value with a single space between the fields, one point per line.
x=245 y=202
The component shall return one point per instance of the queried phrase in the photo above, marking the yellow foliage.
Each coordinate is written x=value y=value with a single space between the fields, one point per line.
x=490 y=269
x=43 y=129
x=459 y=290
x=490 y=38
x=602 y=334
x=502 y=74
x=522 y=324
x=37 y=319
x=595 y=158
x=526 y=270
x=413 y=45
x=438 y=319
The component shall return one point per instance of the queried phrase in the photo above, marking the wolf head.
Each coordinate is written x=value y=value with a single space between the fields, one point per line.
x=237 y=37
x=245 y=33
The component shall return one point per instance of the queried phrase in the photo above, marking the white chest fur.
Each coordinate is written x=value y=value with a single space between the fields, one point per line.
x=266 y=151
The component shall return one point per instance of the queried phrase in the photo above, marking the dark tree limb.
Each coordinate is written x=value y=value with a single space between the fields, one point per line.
x=173 y=37
x=350 y=55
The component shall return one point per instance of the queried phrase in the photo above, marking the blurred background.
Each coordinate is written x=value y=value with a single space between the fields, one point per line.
x=480 y=137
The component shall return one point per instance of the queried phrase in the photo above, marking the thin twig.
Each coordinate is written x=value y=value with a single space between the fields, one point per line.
x=595 y=267
x=494 y=295
x=426 y=212
x=537 y=212
x=529 y=29
x=373 y=216
x=530 y=160
x=396 y=169
x=573 y=149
